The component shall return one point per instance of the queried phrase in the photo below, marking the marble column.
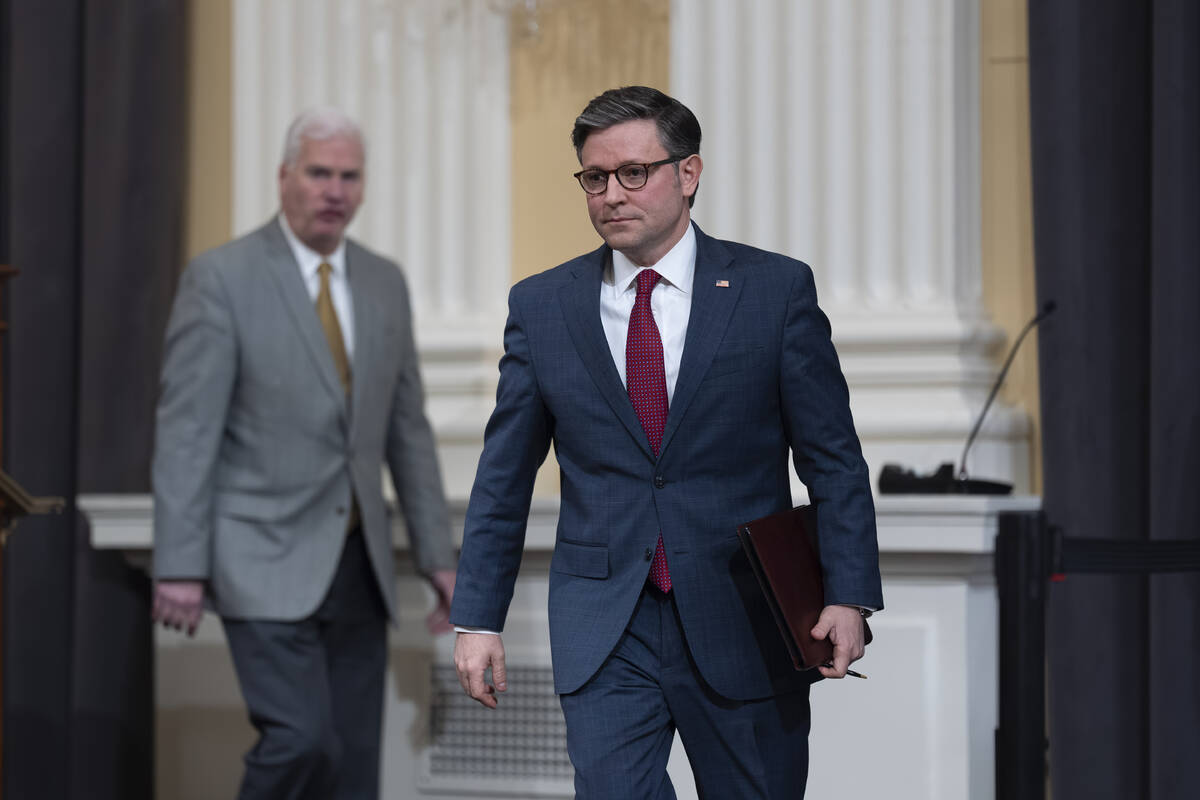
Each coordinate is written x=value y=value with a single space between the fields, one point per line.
x=845 y=133
x=428 y=82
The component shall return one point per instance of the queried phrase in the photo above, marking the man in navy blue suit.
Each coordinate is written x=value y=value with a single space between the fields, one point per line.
x=673 y=373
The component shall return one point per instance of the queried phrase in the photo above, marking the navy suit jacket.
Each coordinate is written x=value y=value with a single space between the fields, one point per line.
x=758 y=376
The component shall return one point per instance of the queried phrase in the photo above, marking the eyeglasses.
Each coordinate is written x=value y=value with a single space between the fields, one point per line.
x=631 y=176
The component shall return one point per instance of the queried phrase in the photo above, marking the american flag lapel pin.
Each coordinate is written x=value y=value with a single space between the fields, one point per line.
x=722 y=284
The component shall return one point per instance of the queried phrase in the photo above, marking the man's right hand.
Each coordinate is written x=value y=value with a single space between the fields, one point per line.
x=473 y=654
x=179 y=604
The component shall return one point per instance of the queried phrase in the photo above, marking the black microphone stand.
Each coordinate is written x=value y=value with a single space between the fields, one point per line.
x=894 y=479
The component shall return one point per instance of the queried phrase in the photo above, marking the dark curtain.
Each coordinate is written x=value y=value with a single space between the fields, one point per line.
x=1115 y=94
x=94 y=114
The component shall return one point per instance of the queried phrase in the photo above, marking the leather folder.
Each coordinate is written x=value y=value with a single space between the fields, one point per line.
x=783 y=552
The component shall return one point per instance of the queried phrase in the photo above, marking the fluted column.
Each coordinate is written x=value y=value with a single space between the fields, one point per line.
x=428 y=82
x=845 y=133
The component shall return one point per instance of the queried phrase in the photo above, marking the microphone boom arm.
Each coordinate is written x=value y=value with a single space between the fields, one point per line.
x=1047 y=310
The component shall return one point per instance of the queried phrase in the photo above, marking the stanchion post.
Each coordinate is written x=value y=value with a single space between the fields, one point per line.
x=1022 y=570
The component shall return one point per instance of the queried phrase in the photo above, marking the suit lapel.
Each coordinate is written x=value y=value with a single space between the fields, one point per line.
x=366 y=322
x=712 y=308
x=301 y=312
x=580 y=301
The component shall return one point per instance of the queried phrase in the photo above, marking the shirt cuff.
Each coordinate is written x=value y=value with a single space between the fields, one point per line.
x=469 y=629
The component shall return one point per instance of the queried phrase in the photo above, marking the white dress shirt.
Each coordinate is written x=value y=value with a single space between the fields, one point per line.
x=309 y=261
x=671 y=303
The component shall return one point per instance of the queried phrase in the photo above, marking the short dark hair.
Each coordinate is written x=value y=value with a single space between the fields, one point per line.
x=678 y=128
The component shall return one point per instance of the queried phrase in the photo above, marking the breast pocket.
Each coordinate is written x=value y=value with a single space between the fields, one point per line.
x=731 y=360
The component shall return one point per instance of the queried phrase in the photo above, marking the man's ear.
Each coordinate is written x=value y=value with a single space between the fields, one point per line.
x=689 y=174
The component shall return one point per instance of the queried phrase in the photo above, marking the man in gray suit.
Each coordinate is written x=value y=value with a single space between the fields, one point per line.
x=290 y=376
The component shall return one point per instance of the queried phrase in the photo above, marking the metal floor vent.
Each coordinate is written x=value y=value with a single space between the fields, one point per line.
x=523 y=741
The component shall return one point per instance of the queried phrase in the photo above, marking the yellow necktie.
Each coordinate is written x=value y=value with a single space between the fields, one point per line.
x=337 y=346
x=333 y=330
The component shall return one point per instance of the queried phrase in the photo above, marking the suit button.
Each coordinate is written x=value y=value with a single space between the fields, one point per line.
x=649 y=554
x=341 y=510
x=659 y=481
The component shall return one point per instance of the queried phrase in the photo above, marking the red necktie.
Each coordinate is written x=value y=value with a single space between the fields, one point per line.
x=646 y=379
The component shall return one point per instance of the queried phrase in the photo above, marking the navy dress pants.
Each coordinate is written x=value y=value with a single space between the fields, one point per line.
x=621 y=723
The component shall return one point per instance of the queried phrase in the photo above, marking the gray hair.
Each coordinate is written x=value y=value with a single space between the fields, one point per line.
x=320 y=124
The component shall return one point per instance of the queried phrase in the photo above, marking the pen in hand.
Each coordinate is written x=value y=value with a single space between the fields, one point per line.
x=851 y=673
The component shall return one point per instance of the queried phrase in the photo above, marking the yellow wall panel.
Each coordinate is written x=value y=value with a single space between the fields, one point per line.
x=1007 y=202
x=571 y=52
x=208 y=204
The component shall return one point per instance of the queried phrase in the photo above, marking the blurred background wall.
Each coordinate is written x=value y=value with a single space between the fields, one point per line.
x=885 y=142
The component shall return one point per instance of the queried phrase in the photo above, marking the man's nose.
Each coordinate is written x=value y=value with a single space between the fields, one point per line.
x=335 y=189
x=614 y=192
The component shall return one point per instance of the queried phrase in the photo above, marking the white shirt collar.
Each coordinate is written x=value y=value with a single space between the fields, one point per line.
x=678 y=266
x=308 y=259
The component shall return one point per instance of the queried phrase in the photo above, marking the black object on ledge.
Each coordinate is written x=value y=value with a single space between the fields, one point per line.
x=894 y=479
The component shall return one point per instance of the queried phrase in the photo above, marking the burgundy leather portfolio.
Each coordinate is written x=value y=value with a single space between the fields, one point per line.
x=783 y=552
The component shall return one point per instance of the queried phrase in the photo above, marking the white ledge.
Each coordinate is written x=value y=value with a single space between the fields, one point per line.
x=951 y=524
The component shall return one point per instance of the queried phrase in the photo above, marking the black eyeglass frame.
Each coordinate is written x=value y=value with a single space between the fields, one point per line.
x=608 y=173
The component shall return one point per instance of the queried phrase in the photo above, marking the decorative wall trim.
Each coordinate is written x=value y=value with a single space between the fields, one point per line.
x=946 y=524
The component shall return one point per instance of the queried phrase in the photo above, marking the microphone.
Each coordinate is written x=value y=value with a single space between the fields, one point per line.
x=894 y=479
x=1047 y=309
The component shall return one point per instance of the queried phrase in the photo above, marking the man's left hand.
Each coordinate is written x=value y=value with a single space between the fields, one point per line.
x=843 y=626
x=438 y=620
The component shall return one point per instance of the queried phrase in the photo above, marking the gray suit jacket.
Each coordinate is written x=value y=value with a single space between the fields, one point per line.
x=256 y=449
